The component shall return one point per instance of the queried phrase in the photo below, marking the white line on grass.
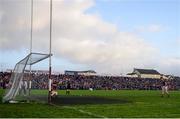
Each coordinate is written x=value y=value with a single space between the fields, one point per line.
x=85 y=112
x=81 y=111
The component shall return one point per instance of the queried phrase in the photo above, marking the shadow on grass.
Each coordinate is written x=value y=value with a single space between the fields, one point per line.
x=81 y=100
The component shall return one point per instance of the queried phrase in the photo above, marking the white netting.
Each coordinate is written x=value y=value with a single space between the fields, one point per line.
x=19 y=82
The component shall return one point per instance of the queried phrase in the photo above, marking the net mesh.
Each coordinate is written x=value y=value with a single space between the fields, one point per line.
x=19 y=82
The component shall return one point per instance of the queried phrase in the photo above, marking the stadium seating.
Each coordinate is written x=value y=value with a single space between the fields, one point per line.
x=40 y=81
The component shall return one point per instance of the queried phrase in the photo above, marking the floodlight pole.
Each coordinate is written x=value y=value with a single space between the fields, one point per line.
x=50 y=67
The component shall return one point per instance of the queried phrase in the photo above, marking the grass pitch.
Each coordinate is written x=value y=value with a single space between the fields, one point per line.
x=98 y=103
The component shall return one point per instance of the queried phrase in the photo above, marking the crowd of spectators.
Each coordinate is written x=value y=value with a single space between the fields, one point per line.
x=40 y=81
x=4 y=79
x=113 y=82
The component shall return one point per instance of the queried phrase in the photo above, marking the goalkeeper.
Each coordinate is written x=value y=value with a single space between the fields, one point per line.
x=23 y=87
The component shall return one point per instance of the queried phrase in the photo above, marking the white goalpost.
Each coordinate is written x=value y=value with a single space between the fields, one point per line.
x=19 y=82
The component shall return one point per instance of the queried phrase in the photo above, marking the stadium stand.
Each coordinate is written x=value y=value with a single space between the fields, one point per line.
x=40 y=81
x=145 y=73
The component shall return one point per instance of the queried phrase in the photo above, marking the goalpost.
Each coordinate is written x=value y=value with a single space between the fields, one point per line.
x=19 y=82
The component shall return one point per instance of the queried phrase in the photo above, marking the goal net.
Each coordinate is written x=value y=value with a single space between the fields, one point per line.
x=20 y=84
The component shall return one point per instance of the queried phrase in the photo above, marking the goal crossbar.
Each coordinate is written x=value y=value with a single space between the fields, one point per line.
x=34 y=58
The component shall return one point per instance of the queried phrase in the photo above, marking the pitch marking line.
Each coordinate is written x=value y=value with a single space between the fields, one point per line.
x=81 y=111
x=85 y=112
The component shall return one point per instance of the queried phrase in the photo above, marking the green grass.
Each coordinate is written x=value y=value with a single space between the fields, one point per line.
x=100 y=103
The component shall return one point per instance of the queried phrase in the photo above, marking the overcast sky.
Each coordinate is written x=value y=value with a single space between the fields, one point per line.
x=108 y=36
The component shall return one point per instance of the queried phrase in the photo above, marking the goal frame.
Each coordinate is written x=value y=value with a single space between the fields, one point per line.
x=18 y=73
